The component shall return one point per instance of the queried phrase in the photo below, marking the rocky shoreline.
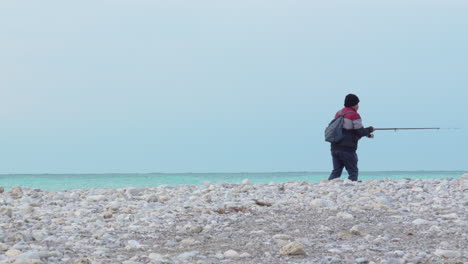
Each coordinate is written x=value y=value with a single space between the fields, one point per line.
x=382 y=221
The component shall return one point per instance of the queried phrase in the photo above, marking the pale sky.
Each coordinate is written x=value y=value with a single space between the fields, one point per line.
x=228 y=86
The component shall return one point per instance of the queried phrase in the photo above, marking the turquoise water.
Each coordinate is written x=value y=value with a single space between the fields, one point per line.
x=87 y=181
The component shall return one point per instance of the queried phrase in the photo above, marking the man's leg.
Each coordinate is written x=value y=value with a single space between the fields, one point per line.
x=337 y=166
x=350 y=160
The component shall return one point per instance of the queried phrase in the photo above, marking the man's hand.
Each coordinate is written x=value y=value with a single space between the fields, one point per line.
x=370 y=136
x=372 y=129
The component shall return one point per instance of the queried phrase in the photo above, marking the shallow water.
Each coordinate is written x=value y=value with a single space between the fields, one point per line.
x=87 y=181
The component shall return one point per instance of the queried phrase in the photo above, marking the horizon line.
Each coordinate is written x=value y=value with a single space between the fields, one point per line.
x=239 y=172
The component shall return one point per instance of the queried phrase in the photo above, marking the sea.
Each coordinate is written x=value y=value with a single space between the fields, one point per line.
x=55 y=182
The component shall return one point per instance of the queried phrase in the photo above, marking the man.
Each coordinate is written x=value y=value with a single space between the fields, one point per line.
x=344 y=152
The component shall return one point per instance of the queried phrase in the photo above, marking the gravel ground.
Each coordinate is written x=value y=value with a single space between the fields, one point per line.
x=384 y=221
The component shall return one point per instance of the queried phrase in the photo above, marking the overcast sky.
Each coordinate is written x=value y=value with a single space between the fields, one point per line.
x=228 y=86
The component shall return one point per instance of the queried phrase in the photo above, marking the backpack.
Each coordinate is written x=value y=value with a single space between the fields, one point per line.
x=334 y=130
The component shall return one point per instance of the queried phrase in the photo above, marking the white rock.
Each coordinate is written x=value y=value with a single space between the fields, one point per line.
x=164 y=198
x=281 y=237
x=449 y=216
x=133 y=244
x=16 y=192
x=292 y=248
x=193 y=228
x=231 y=254
x=447 y=253
x=134 y=191
x=158 y=258
x=12 y=253
x=246 y=181
x=420 y=222
x=188 y=242
x=96 y=197
x=38 y=235
x=357 y=230
x=321 y=203
x=245 y=255
x=152 y=198
x=346 y=216
x=187 y=255
x=362 y=260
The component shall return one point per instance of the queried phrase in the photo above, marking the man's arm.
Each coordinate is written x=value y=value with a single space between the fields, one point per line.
x=360 y=130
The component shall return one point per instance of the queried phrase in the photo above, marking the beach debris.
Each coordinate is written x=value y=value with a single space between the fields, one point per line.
x=257 y=202
x=292 y=248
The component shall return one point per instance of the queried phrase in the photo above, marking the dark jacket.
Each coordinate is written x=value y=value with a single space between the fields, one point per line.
x=352 y=131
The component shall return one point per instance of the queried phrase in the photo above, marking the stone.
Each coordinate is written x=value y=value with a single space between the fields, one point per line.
x=362 y=261
x=39 y=235
x=447 y=253
x=82 y=261
x=420 y=222
x=133 y=244
x=193 y=228
x=281 y=237
x=453 y=216
x=107 y=215
x=157 y=258
x=13 y=253
x=152 y=198
x=16 y=192
x=292 y=248
x=188 y=242
x=187 y=255
x=321 y=203
x=2 y=189
x=134 y=191
x=232 y=254
x=246 y=181
x=344 y=215
x=245 y=255
x=164 y=198
x=357 y=230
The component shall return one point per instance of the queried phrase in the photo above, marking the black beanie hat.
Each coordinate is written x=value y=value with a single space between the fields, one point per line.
x=351 y=100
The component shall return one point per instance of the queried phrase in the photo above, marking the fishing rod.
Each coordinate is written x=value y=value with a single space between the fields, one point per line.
x=407 y=128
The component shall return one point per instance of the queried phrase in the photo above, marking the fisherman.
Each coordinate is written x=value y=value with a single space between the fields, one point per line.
x=344 y=152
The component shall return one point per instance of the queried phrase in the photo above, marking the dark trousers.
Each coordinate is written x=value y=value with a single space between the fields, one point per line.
x=344 y=159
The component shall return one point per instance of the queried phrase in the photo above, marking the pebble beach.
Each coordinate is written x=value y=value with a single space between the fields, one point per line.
x=381 y=221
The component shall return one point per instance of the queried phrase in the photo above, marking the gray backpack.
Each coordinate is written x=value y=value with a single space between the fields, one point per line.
x=334 y=130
